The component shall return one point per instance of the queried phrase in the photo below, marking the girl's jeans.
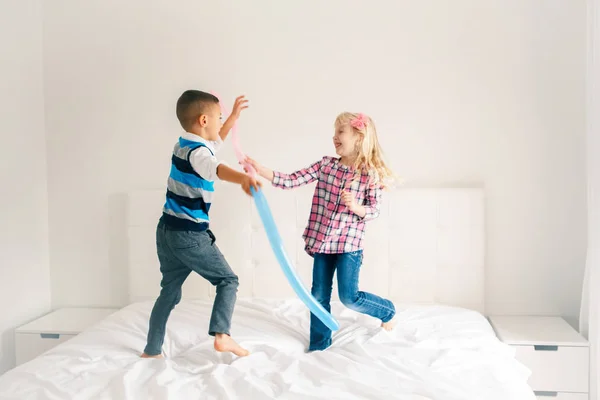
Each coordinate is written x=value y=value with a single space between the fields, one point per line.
x=348 y=268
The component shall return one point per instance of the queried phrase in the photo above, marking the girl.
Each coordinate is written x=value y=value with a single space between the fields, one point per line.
x=347 y=195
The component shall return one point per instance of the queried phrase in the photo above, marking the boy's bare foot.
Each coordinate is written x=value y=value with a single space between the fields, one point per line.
x=144 y=355
x=388 y=326
x=225 y=344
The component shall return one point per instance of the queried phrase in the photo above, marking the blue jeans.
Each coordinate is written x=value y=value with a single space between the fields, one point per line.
x=348 y=268
x=180 y=253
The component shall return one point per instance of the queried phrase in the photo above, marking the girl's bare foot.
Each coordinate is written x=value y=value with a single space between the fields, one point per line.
x=388 y=326
x=144 y=355
x=225 y=344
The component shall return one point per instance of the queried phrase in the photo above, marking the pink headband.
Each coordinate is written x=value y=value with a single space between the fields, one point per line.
x=360 y=122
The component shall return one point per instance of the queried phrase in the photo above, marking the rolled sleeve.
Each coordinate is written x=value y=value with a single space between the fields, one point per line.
x=373 y=202
x=205 y=164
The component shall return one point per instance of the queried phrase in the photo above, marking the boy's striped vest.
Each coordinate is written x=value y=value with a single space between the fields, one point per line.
x=188 y=194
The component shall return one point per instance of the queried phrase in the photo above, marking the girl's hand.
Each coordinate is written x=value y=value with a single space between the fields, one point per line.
x=257 y=167
x=349 y=200
x=352 y=205
x=260 y=170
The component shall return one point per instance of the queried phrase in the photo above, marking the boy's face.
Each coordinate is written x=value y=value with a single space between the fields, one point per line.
x=211 y=121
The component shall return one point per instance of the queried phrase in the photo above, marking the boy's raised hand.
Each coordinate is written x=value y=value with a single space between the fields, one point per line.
x=240 y=104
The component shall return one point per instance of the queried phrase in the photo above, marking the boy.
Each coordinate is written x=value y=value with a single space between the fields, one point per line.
x=183 y=238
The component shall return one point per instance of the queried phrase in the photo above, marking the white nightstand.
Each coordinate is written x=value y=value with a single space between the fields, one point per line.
x=557 y=354
x=36 y=337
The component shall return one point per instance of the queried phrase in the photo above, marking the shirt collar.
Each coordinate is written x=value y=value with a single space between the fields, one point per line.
x=195 y=138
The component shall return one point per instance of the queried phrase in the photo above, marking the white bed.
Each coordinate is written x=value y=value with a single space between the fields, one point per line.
x=437 y=352
x=426 y=252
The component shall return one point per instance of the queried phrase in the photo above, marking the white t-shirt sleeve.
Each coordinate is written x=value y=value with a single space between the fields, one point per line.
x=204 y=163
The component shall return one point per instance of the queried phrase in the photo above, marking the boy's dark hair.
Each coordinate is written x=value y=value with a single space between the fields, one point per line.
x=191 y=105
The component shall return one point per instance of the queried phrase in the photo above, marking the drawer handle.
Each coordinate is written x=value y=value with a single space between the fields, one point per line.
x=49 y=335
x=545 y=348
x=546 y=394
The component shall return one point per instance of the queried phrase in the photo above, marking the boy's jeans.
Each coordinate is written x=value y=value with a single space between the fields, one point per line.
x=179 y=253
x=348 y=268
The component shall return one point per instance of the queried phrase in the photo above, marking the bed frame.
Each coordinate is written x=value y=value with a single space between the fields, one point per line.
x=427 y=247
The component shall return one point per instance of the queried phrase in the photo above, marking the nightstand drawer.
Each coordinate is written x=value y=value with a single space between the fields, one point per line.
x=561 y=396
x=556 y=368
x=30 y=345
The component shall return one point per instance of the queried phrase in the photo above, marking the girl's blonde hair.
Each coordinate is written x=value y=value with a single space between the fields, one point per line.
x=370 y=155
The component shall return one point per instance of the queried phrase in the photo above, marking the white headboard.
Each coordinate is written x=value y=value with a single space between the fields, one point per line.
x=428 y=245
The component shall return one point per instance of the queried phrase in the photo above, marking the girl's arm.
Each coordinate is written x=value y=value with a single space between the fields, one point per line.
x=288 y=181
x=372 y=207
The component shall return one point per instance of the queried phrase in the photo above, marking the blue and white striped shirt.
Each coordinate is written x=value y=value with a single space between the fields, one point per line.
x=190 y=186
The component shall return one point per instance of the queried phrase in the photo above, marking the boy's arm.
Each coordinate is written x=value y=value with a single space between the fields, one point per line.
x=208 y=167
x=228 y=174
x=224 y=132
x=240 y=104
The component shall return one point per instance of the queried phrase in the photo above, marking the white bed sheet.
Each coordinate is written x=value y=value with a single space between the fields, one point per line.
x=435 y=352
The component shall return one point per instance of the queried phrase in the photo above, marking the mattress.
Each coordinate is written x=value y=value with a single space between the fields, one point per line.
x=435 y=352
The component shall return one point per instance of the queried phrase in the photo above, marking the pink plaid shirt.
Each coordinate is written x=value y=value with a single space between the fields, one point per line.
x=332 y=228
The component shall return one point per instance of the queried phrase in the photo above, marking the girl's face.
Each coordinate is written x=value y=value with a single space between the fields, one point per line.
x=345 y=140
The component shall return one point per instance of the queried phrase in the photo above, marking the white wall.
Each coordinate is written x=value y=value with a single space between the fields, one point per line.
x=24 y=266
x=463 y=92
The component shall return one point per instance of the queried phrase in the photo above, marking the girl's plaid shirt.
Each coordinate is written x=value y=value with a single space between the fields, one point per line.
x=332 y=227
